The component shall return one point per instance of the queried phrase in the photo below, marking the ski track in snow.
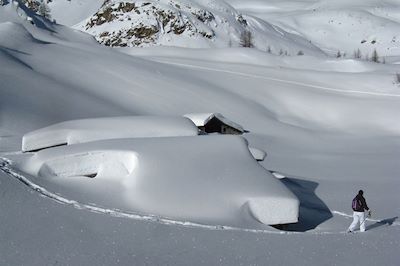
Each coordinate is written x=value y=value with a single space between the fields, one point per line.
x=368 y=219
x=5 y=166
x=281 y=80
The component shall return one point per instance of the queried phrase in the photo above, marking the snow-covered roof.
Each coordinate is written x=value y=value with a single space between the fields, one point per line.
x=160 y=176
x=201 y=119
x=85 y=130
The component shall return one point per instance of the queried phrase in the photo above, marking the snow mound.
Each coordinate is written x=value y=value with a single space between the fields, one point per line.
x=12 y=33
x=264 y=208
x=258 y=154
x=208 y=179
x=91 y=164
x=85 y=130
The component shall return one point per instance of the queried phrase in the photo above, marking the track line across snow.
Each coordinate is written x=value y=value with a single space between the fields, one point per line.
x=368 y=219
x=281 y=80
x=5 y=166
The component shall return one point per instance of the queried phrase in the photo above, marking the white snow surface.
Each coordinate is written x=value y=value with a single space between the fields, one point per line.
x=71 y=12
x=204 y=179
x=329 y=125
x=84 y=130
x=333 y=26
x=258 y=154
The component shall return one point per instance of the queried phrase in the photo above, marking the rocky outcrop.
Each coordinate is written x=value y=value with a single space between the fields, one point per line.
x=144 y=23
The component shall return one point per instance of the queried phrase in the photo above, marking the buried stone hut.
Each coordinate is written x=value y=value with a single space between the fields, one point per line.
x=215 y=123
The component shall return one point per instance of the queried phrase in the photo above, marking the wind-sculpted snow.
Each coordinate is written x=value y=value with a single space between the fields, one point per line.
x=7 y=167
x=206 y=179
x=79 y=131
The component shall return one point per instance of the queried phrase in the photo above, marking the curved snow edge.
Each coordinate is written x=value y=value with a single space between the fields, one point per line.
x=268 y=210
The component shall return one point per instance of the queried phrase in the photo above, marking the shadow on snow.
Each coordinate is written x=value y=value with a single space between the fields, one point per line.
x=313 y=211
x=388 y=221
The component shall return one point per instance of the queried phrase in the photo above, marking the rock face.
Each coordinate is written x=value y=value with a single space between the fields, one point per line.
x=121 y=23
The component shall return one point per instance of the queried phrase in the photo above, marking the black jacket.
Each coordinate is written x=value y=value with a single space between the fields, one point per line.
x=363 y=204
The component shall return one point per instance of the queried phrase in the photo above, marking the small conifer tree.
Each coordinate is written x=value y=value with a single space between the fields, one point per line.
x=246 y=39
x=357 y=54
x=44 y=10
x=375 y=56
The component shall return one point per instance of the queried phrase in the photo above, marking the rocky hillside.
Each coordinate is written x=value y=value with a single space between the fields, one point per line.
x=140 y=23
x=180 y=23
x=194 y=24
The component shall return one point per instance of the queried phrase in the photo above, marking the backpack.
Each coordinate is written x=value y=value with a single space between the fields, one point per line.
x=356 y=204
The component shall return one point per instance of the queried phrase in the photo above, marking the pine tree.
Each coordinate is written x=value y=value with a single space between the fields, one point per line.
x=357 y=54
x=375 y=56
x=338 y=55
x=246 y=39
x=44 y=10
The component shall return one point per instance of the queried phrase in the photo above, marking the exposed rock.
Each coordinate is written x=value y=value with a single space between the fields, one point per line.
x=144 y=23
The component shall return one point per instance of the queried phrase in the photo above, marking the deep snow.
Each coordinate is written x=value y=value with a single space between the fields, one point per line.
x=85 y=130
x=329 y=127
x=204 y=179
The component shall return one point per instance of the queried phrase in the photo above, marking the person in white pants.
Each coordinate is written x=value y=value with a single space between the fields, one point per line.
x=359 y=206
x=358 y=217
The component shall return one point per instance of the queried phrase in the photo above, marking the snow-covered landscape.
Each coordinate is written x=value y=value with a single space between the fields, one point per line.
x=202 y=132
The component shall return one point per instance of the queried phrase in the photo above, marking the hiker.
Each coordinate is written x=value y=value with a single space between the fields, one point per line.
x=359 y=206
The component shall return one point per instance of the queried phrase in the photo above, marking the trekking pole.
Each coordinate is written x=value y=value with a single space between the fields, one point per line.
x=366 y=217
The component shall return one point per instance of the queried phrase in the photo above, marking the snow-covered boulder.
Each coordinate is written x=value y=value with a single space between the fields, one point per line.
x=210 y=179
x=84 y=130
x=258 y=154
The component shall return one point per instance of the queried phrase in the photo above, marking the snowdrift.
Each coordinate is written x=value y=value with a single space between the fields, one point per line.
x=85 y=130
x=208 y=179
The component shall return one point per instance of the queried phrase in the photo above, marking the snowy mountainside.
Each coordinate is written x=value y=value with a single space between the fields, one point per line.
x=334 y=26
x=193 y=24
x=71 y=12
x=339 y=28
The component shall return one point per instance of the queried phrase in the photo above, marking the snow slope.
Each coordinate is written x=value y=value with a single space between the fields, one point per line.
x=334 y=26
x=71 y=12
x=329 y=126
x=195 y=24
